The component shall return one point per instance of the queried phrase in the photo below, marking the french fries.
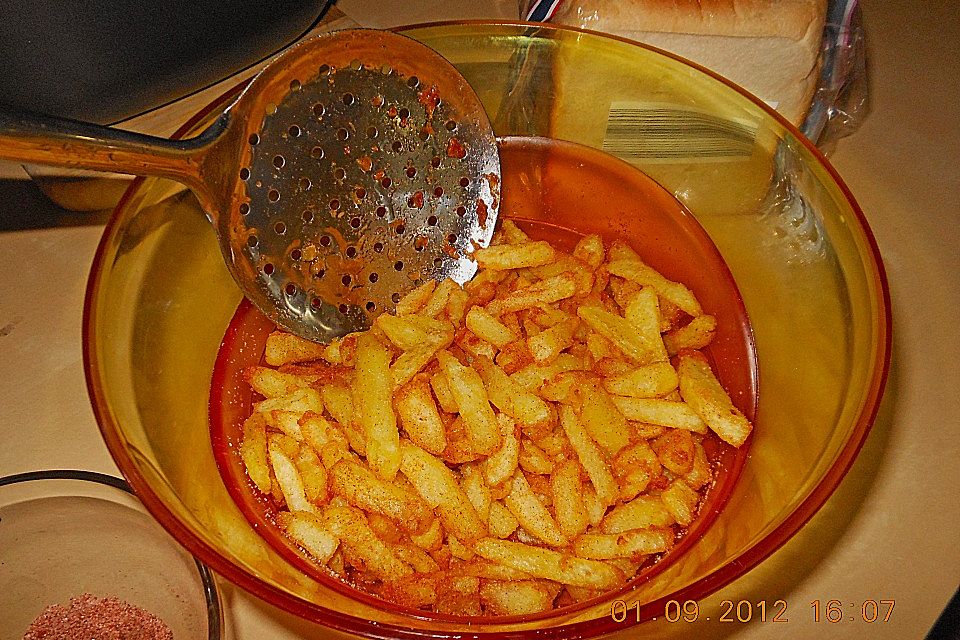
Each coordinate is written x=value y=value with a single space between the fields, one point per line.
x=702 y=391
x=668 y=413
x=545 y=291
x=516 y=597
x=572 y=518
x=289 y=479
x=696 y=334
x=420 y=416
x=550 y=565
x=283 y=348
x=307 y=530
x=520 y=443
x=632 y=544
x=531 y=514
x=473 y=404
x=356 y=484
x=592 y=460
x=362 y=544
x=650 y=381
x=438 y=487
x=488 y=327
x=624 y=262
x=640 y=513
x=603 y=421
x=510 y=398
x=624 y=335
x=499 y=466
x=515 y=256
x=373 y=406
x=681 y=501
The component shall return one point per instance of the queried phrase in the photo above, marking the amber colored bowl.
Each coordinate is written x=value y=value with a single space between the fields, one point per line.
x=159 y=301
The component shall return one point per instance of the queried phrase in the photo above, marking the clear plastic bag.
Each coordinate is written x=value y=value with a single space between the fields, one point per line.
x=841 y=100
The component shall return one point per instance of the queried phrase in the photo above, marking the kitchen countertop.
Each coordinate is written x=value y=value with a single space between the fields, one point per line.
x=890 y=530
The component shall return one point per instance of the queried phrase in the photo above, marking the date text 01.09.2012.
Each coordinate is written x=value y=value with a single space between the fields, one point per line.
x=742 y=611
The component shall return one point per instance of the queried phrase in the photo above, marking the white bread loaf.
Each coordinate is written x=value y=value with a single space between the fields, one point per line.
x=769 y=47
x=704 y=143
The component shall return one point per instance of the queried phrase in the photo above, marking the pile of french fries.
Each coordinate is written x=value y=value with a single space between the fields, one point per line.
x=518 y=444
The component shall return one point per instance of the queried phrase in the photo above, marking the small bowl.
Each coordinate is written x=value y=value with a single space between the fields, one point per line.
x=160 y=299
x=66 y=533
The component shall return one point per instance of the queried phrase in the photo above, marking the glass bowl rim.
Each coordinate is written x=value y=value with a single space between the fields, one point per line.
x=588 y=628
x=211 y=593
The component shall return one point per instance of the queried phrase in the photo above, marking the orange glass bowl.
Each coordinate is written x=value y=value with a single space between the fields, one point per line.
x=159 y=300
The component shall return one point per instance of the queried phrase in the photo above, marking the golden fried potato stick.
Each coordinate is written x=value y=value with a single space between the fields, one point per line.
x=702 y=391
x=668 y=413
x=531 y=514
x=474 y=405
x=550 y=565
x=373 y=406
x=309 y=531
x=420 y=416
x=630 y=544
x=515 y=256
x=358 y=485
x=362 y=544
x=590 y=456
x=437 y=485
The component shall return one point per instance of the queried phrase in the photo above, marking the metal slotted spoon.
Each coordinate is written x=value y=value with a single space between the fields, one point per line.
x=355 y=166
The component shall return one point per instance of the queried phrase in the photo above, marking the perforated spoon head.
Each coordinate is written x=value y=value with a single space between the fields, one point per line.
x=363 y=165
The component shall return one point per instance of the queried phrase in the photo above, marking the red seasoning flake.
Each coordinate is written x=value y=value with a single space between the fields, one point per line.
x=429 y=98
x=455 y=149
x=88 y=617
x=416 y=200
x=482 y=213
x=450 y=250
x=365 y=163
x=494 y=181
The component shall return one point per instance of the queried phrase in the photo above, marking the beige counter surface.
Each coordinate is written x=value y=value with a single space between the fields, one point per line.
x=890 y=532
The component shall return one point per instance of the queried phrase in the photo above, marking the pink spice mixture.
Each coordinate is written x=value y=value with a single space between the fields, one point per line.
x=88 y=617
